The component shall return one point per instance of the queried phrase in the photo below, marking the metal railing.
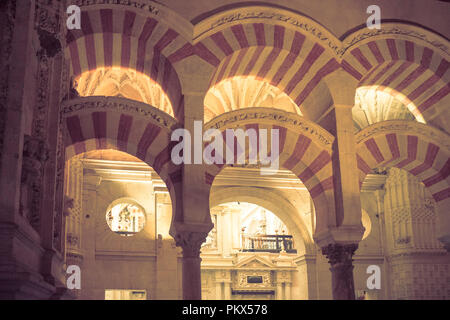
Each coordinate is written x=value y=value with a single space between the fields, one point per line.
x=268 y=243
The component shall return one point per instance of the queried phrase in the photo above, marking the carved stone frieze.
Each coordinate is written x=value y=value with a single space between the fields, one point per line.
x=404 y=126
x=297 y=123
x=405 y=30
x=143 y=5
x=240 y=280
x=303 y=23
x=35 y=153
x=91 y=104
x=48 y=15
x=320 y=33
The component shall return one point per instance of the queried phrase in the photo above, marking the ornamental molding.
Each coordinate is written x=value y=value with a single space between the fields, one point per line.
x=239 y=118
x=316 y=31
x=273 y=15
x=119 y=105
x=147 y=6
x=404 y=127
x=240 y=280
x=396 y=30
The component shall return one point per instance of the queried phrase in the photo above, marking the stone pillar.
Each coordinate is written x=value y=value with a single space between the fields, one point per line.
x=306 y=278
x=340 y=259
x=26 y=178
x=339 y=122
x=73 y=186
x=412 y=246
x=191 y=242
x=410 y=214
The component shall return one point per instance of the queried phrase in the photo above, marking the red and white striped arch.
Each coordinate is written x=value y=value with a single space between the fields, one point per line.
x=304 y=149
x=285 y=58
x=95 y=123
x=417 y=148
x=123 y=38
x=415 y=74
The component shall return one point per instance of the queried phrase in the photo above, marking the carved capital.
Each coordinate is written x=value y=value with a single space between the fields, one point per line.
x=340 y=258
x=190 y=242
x=339 y=254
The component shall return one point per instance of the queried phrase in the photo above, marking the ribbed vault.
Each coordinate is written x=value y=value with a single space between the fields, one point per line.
x=123 y=82
x=245 y=92
x=372 y=106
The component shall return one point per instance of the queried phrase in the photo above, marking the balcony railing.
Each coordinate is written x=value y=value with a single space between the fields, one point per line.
x=268 y=243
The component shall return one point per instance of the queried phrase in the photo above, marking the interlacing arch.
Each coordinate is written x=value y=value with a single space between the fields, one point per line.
x=413 y=71
x=304 y=149
x=273 y=51
x=287 y=50
x=417 y=148
x=96 y=123
x=123 y=37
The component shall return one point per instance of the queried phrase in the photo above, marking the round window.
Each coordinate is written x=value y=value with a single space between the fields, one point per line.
x=125 y=218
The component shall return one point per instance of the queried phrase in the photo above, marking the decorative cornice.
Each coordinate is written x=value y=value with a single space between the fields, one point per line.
x=315 y=30
x=274 y=15
x=122 y=105
x=296 y=123
x=406 y=127
x=138 y=4
x=397 y=30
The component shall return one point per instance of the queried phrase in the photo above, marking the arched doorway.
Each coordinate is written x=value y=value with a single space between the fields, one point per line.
x=117 y=226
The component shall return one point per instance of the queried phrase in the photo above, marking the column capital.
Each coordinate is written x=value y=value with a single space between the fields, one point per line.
x=340 y=259
x=337 y=253
x=190 y=242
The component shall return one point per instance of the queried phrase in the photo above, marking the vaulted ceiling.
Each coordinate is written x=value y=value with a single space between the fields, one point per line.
x=122 y=82
x=245 y=92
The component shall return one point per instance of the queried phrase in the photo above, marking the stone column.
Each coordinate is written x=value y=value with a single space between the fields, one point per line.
x=306 y=286
x=340 y=258
x=412 y=246
x=191 y=242
x=73 y=185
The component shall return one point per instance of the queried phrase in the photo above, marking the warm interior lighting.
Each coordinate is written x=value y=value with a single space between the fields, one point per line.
x=123 y=82
x=245 y=92
x=373 y=105
x=367 y=224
